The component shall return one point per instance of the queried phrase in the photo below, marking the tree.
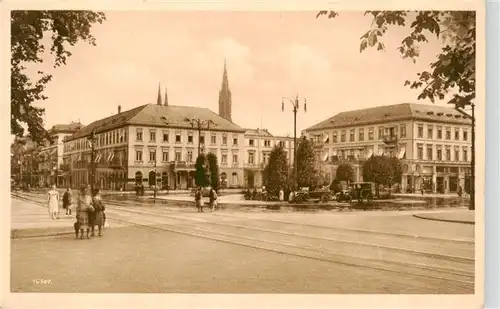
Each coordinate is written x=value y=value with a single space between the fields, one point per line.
x=202 y=173
x=306 y=163
x=396 y=170
x=213 y=166
x=454 y=68
x=378 y=170
x=345 y=172
x=276 y=171
x=28 y=28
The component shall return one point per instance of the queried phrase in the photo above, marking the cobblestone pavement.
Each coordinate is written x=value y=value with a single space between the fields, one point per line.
x=240 y=252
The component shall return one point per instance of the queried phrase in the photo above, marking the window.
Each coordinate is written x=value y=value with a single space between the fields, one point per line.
x=439 y=133
x=250 y=158
x=235 y=141
x=235 y=159
x=430 y=131
x=361 y=136
x=465 y=154
x=190 y=138
x=448 y=133
x=190 y=156
x=370 y=133
x=457 y=154
x=138 y=155
x=178 y=156
x=429 y=153
x=342 y=136
x=202 y=139
x=267 y=143
x=440 y=154
x=448 y=153
x=152 y=136
x=251 y=142
x=165 y=137
x=380 y=132
x=224 y=140
x=138 y=134
x=223 y=158
x=351 y=135
x=213 y=139
x=420 y=131
x=152 y=155
x=334 y=139
x=281 y=144
x=165 y=156
x=457 y=134
x=402 y=131
x=465 y=135
x=420 y=152
x=177 y=137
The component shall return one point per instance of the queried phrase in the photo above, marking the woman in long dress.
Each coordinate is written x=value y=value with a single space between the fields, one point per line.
x=53 y=202
x=98 y=212
x=83 y=209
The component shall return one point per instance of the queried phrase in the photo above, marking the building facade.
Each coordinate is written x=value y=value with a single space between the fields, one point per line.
x=155 y=141
x=433 y=143
x=258 y=146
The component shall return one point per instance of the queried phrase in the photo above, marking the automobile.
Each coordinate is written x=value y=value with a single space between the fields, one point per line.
x=362 y=191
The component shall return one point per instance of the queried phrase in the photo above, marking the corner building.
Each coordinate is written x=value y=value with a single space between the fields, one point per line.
x=154 y=140
x=433 y=142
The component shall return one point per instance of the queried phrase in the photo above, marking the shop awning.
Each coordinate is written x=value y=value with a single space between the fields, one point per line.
x=325 y=157
x=369 y=153
x=325 y=138
x=334 y=152
x=380 y=151
x=110 y=157
x=401 y=153
x=97 y=158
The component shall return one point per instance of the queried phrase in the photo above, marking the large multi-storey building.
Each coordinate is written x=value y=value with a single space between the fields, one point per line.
x=258 y=146
x=154 y=140
x=433 y=142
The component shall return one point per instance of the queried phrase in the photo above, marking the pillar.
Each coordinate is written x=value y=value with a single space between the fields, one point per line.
x=447 y=184
x=434 y=180
x=404 y=183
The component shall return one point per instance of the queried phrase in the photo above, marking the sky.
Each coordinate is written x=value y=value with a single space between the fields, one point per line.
x=268 y=54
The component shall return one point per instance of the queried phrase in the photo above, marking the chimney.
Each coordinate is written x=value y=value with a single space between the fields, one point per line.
x=119 y=109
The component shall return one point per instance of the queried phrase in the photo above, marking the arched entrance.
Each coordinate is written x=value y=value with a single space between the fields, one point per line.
x=138 y=178
x=152 y=180
x=164 y=180
x=234 y=180
x=251 y=180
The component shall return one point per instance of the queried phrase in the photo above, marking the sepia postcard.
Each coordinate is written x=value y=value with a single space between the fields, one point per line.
x=243 y=154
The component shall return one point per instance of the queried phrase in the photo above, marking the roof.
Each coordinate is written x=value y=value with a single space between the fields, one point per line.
x=66 y=128
x=258 y=132
x=152 y=114
x=389 y=113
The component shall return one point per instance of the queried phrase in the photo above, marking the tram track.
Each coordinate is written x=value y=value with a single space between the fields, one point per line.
x=288 y=243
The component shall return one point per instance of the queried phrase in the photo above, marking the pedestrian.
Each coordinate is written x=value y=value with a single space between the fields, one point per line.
x=98 y=214
x=198 y=199
x=83 y=209
x=460 y=191
x=53 y=202
x=67 y=201
x=281 y=195
x=213 y=199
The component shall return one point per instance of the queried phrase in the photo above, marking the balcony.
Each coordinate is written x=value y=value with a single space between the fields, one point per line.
x=182 y=165
x=256 y=166
x=65 y=167
x=390 y=139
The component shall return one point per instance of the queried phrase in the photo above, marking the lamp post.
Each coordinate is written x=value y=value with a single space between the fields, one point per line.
x=92 y=159
x=295 y=106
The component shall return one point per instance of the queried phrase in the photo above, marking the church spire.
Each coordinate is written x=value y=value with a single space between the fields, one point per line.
x=166 y=97
x=225 y=96
x=158 y=101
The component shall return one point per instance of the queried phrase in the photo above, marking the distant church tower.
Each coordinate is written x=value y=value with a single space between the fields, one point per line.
x=166 y=97
x=225 y=97
x=158 y=100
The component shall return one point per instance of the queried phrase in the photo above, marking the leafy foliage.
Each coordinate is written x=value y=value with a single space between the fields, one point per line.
x=454 y=68
x=396 y=170
x=344 y=172
x=382 y=170
x=276 y=171
x=28 y=28
x=202 y=173
x=214 y=170
x=306 y=163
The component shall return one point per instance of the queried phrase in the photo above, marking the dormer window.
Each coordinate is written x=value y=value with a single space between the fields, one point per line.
x=430 y=113
x=440 y=114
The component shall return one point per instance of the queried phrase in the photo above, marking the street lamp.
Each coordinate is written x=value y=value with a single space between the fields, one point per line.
x=295 y=105
x=92 y=139
x=199 y=125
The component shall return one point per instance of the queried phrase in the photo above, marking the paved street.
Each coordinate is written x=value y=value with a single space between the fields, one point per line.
x=167 y=250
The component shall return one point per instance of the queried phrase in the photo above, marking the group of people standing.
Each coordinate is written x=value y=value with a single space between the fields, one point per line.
x=198 y=197
x=89 y=210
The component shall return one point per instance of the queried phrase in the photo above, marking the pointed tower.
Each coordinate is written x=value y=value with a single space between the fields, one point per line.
x=158 y=101
x=166 y=97
x=225 y=97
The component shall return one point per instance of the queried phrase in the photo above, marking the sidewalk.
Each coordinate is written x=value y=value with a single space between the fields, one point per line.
x=458 y=216
x=425 y=195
